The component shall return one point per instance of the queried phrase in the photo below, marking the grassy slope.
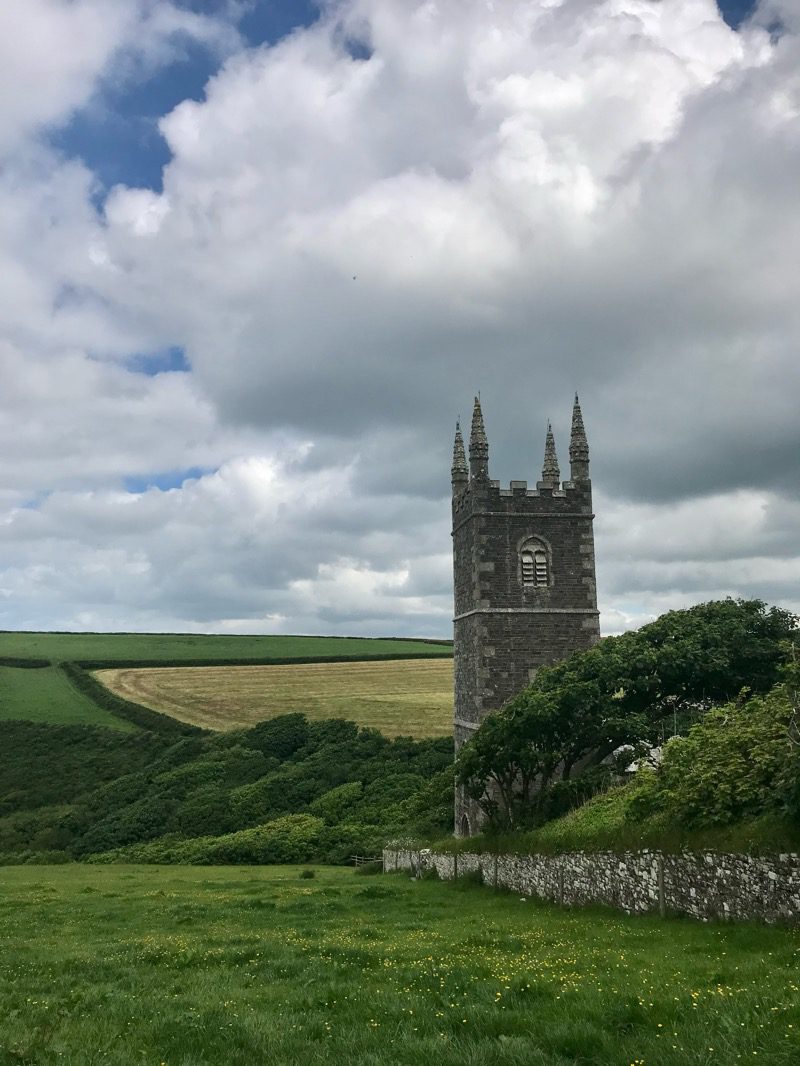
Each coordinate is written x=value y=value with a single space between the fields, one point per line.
x=401 y=698
x=158 y=647
x=248 y=965
x=602 y=824
x=46 y=695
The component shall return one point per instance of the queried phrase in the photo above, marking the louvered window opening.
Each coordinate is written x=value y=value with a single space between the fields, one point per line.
x=534 y=568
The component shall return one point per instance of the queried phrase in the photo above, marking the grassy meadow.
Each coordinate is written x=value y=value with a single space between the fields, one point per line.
x=161 y=647
x=412 y=697
x=46 y=694
x=242 y=965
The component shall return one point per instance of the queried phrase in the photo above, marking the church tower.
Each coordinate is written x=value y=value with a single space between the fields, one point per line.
x=525 y=588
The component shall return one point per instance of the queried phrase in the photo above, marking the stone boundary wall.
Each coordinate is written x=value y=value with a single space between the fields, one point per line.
x=703 y=885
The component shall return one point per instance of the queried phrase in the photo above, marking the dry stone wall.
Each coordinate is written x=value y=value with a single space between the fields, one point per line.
x=705 y=885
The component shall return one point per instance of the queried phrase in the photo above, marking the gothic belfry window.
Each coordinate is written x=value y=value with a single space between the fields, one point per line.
x=534 y=564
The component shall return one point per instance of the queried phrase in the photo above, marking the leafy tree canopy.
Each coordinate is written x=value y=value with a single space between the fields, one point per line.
x=622 y=692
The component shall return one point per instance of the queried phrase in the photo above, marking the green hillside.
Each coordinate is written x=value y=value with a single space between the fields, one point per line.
x=248 y=965
x=60 y=692
x=187 y=647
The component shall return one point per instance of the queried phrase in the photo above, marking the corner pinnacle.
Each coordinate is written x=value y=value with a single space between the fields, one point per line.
x=551 y=474
x=578 y=445
x=478 y=444
x=459 y=469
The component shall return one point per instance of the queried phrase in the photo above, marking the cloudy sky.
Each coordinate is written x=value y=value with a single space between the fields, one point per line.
x=256 y=257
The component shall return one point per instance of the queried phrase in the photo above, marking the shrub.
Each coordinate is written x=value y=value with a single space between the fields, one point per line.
x=333 y=805
x=144 y=820
x=206 y=812
x=307 y=875
x=143 y=717
x=280 y=737
x=739 y=762
x=166 y=799
x=369 y=869
x=339 y=843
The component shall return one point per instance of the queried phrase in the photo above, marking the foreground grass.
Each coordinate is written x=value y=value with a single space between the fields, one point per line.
x=181 y=966
x=400 y=698
x=165 y=647
x=46 y=695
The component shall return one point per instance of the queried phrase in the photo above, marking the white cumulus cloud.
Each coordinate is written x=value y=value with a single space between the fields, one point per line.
x=359 y=227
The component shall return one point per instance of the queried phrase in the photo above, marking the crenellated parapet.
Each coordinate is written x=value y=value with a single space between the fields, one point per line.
x=475 y=477
x=565 y=497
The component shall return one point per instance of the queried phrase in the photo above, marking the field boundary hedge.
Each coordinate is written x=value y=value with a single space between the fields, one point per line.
x=135 y=713
x=25 y=664
x=276 y=660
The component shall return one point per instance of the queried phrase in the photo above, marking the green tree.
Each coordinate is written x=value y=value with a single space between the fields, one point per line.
x=626 y=691
x=740 y=761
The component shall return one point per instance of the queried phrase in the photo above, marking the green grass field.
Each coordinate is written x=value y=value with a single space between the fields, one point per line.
x=160 y=647
x=46 y=695
x=404 y=697
x=183 y=967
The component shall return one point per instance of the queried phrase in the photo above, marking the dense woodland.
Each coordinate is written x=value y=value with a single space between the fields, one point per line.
x=285 y=791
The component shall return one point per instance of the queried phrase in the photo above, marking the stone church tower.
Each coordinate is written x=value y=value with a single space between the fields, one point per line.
x=525 y=590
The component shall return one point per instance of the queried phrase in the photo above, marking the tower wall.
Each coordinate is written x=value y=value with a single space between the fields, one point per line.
x=505 y=628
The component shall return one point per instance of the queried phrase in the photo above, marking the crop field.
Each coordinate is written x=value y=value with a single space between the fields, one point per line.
x=243 y=965
x=400 y=697
x=46 y=695
x=160 y=647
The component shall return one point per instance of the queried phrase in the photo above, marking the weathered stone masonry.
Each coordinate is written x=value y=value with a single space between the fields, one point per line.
x=524 y=576
x=706 y=885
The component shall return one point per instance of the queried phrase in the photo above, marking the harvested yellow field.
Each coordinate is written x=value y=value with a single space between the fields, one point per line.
x=408 y=697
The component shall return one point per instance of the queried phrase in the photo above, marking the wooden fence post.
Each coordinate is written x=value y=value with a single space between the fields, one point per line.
x=662 y=903
x=561 y=885
x=455 y=866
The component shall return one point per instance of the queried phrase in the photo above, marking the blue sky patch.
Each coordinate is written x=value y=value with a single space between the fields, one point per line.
x=167 y=361
x=164 y=480
x=117 y=135
x=266 y=22
x=735 y=12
